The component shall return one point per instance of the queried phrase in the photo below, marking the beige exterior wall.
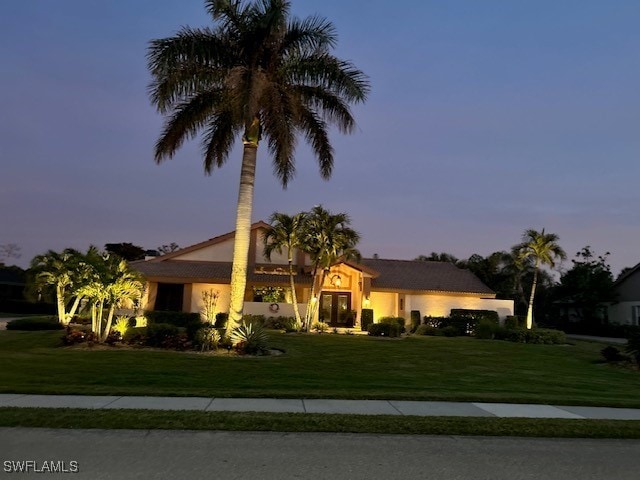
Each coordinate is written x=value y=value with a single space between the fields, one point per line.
x=220 y=252
x=196 y=296
x=622 y=313
x=263 y=308
x=386 y=304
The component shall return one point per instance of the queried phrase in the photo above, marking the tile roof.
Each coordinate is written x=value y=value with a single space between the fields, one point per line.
x=393 y=274
x=424 y=276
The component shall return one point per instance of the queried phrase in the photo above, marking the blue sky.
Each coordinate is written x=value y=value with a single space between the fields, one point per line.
x=485 y=118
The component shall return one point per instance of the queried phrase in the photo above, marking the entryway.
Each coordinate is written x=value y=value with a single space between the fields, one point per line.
x=335 y=309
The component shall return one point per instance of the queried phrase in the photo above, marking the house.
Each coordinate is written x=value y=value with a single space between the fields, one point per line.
x=626 y=310
x=178 y=281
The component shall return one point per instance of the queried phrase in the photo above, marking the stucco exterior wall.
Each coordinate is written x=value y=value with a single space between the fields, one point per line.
x=223 y=299
x=220 y=252
x=441 y=305
x=284 y=309
x=383 y=304
x=622 y=313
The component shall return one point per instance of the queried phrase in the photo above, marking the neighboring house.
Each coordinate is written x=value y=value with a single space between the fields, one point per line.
x=177 y=281
x=626 y=310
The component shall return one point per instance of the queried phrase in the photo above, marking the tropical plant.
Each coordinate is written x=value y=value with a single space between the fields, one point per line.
x=249 y=338
x=209 y=302
x=65 y=273
x=543 y=249
x=260 y=73
x=286 y=233
x=328 y=238
x=122 y=325
x=111 y=283
x=208 y=338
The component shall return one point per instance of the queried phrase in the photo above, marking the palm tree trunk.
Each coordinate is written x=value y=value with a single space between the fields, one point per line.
x=74 y=307
x=107 y=329
x=533 y=292
x=243 y=234
x=308 y=314
x=60 y=302
x=294 y=297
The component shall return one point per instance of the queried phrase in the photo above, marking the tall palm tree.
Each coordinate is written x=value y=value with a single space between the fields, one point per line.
x=286 y=233
x=328 y=238
x=543 y=249
x=260 y=73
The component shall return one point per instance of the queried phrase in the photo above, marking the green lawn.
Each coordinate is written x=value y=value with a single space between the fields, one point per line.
x=328 y=366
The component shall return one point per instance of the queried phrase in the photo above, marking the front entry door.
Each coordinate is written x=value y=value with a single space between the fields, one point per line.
x=335 y=309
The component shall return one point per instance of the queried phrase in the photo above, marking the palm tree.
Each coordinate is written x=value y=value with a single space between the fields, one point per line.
x=259 y=73
x=286 y=232
x=543 y=249
x=328 y=239
x=60 y=270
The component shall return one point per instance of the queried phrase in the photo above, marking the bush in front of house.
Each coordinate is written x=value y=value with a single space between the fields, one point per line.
x=612 y=354
x=400 y=321
x=486 y=330
x=161 y=335
x=32 y=324
x=426 y=330
x=287 y=324
x=207 y=338
x=513 y=321
x=366 y=319
x=250 y=339
x=544 y=336
x=384 y=329
x=221 y=319
x=415 y=320
x=136 y=336
x=259 y=320
x=178 y=319
x=435 y=322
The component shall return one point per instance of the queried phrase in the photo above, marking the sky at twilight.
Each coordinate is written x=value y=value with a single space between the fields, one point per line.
x=485 y=118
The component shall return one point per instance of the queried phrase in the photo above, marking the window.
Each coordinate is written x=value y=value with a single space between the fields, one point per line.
x=635 y=315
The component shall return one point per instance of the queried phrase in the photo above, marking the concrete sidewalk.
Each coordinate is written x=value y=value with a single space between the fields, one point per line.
x=351 y=407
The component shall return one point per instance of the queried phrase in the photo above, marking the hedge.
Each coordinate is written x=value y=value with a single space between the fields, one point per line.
x=366 y=319
x=384 y=329
x=32 y=324
x=178 y=319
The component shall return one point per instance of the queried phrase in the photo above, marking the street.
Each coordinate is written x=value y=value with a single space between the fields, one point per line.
x=162 y=454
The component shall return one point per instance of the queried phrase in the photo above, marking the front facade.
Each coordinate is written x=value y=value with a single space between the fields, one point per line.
x=626 y=310
x=180 y=280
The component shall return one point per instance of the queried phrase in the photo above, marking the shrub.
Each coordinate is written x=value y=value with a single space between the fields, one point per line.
x=450 y=331
x=384 y=329
x=536 y=336
x=254 y=319
x=136 y=336
x=633 y=346
x=31 y=324
x=249 y=339
x=485 y=330
x=207 y=338
x=192 y=328
x=221 y=320
x=319 y=327
x=612 y=354
x=179 y=319
x=512 y=321
x=73 y=337
x=122 y=325
x=366 y=319
x=436 y=322
x=400 y=321
x=415 y=320
x=475 y=316
x=426 y=330
x=161 y=334
x=281 y=323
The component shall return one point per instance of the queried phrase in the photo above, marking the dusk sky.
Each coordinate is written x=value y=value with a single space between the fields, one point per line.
x=486 y=117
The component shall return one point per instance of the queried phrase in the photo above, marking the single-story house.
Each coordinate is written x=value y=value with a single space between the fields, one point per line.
x=178 y=281
x=626 y=310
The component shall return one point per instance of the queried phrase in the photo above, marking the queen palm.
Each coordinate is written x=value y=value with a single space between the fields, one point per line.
x=286 y=233
x=328 y=238
x=260 y=73
x=543 y=249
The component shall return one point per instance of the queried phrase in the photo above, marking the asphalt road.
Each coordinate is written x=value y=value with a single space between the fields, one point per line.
x=161 y=454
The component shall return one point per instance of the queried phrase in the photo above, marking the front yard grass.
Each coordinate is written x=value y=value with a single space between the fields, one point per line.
x=328 y=366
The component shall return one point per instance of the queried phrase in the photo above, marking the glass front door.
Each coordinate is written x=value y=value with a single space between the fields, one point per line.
x=335 y=309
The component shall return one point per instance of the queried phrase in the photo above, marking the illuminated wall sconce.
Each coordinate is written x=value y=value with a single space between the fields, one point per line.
x=336 y=281
x=314 y=299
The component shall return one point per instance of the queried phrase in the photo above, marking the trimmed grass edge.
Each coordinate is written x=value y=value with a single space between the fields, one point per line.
x=304 y=422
